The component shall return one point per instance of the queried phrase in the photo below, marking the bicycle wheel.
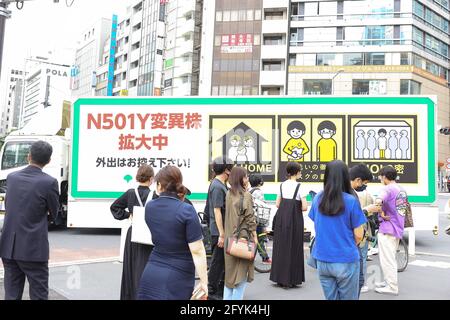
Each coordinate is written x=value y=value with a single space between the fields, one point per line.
x=261 y=265
x=402 y=256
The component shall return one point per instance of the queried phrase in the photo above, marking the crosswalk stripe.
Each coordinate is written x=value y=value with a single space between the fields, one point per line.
x=434 y=264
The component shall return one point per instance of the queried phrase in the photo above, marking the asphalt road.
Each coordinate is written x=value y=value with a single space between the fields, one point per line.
x=84 y=266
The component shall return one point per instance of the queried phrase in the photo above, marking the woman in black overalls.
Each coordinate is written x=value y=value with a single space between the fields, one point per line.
x=288 y=267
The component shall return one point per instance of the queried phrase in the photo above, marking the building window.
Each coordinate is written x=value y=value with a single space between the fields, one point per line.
x=317 y=87
x=218 y=16
x=273 y=15
x=274 y=40
x=369 y=87
x=217 y=40
x=404 y=59
x=256 y=39
x=250 y=16
x=226 y=16
x=292 y=59
x=326 y=59
x=409 y=87
x=353 y=59
x=272 y=65
x=271 y=91
x=257 y=15
x=375 y=59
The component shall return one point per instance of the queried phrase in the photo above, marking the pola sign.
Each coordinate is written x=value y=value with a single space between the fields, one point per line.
x=56 y=72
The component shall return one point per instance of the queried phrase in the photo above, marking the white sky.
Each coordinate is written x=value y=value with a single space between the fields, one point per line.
x=43 y=26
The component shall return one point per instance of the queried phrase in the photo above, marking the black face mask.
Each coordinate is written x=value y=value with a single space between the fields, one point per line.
x=362 y=188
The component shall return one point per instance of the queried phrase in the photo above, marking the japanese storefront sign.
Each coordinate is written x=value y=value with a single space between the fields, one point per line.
x=237 y=43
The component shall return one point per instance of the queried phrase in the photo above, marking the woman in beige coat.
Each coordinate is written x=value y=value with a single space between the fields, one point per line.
x=238 y=271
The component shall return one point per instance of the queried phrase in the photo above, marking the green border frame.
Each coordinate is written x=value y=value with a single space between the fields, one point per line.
x=431 y=113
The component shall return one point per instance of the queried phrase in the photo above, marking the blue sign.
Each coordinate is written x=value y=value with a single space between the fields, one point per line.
x=112 y=56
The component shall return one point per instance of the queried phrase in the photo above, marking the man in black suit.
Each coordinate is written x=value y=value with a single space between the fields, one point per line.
x=31 y=196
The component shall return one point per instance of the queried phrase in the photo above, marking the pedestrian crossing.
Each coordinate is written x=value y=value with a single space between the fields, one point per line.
x=433 y=264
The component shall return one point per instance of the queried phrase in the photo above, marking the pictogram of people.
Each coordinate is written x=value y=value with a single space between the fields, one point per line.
x=404 y=144
x=371 y=144
x=241 y=154
x=326 y=147
x=249 y=145
x=296 y=147
x=393 y=144
x=235 y=141
x=360 y=144
x=382 y=143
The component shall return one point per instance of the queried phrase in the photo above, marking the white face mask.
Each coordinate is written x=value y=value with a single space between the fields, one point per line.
x=327 y=135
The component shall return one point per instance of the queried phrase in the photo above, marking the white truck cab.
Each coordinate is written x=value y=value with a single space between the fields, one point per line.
x=16 y=147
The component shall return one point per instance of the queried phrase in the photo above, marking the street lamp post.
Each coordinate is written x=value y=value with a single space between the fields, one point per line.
x=332 y=80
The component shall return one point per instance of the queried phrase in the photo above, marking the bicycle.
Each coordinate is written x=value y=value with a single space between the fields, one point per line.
x=402 y=255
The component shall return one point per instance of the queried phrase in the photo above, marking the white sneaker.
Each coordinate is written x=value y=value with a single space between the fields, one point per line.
x=364 y=289
x=372 y=251
x=386 y=290
x=380 y=284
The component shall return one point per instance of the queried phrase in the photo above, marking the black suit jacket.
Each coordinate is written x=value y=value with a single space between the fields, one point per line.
x=31 y=194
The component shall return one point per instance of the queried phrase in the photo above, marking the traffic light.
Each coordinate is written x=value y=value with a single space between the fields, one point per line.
x=445 y=131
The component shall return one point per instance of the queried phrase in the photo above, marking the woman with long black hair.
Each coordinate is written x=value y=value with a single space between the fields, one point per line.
x=338 y=223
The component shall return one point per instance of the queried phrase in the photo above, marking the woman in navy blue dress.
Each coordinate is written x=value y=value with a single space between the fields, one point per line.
x=177 y=236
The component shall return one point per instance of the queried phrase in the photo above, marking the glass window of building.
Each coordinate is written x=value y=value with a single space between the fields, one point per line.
x=375 y=58
x=418 y=36
x=326 y=59
x=256 y=39
x=242 y=15
x=250 y=15
x=317 y=87
x=404 y=58
x=353 y=59
x=272 y=65
x=292 y=59
x=311 y=11
x=226 y=16
x=309 y=59
x=328 y=9
x=409 y=87
x=234 y=15
x=273 y=15
x=297 y=35
x=271 y=91
x=218 y=16
x=326 y=36
x=273 y=40
x=258 y=15
x=369 y=87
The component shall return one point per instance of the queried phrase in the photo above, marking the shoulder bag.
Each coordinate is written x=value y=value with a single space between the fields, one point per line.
x=140 y=232
x=241 y=247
